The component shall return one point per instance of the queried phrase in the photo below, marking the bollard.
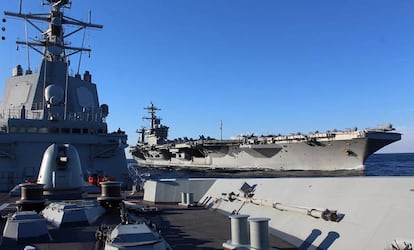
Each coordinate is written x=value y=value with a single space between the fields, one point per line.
x=31 y=197
x=110 y=197
x=183 y=198
x=190 y=198
x=111 y=189
x=31 y=191
x=239 y=229
x=259 y=233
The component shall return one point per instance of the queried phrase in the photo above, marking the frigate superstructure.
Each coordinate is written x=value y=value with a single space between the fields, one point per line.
x=326 y=151
x=53 y=106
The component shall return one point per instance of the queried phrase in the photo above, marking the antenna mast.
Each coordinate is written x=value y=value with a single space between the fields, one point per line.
x=152 y=110
x=53 y=39
x=27 y=45
x=221 y=129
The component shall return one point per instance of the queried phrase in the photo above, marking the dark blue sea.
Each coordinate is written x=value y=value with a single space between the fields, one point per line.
x=401 y=164
x=390 y=165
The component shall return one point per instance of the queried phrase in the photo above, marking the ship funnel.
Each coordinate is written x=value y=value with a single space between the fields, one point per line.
x=61 y=172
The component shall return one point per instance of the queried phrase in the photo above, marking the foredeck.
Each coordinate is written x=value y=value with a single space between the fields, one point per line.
x=198 y=228
x=182 y=227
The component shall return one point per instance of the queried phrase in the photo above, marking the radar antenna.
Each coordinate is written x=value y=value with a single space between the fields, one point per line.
x=55 y=49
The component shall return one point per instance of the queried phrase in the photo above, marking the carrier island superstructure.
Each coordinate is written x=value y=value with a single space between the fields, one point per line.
x=331 y=150
x=52 y=106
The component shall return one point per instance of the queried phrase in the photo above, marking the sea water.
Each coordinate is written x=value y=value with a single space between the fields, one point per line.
x=390 y=165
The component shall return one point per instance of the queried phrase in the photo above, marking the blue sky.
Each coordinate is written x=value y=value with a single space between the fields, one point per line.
x=259 y=66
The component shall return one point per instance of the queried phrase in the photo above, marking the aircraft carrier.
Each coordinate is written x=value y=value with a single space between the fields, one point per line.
x=60 y=211
x=52 y=106
x=324 y=151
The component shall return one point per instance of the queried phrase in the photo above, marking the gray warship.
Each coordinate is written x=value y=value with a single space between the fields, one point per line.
x=53 y=106
x=324 y=151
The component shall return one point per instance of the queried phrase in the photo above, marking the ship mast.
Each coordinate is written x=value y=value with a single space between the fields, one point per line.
x=53 y=39
x=55 y=53
x=221 y=129
x=152 y=110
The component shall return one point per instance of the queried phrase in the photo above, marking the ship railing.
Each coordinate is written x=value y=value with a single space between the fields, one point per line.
x=17 y=113
x=38 y=106
x=85 y=116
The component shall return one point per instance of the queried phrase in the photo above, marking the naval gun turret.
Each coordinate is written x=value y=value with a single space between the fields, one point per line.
x=61 y=172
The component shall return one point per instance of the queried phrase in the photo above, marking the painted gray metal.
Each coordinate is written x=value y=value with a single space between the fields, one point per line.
x=331 y=150
x=24 y=226
x=372 y=212
x=51 y=106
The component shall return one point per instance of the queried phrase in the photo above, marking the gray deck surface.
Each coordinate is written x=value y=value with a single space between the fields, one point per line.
x=183 y=228
x=199 y=228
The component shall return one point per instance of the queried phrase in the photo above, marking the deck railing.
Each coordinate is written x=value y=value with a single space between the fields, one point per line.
x=16 y=113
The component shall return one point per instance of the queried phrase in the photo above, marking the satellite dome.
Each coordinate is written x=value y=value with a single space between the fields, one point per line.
x=54 y=94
